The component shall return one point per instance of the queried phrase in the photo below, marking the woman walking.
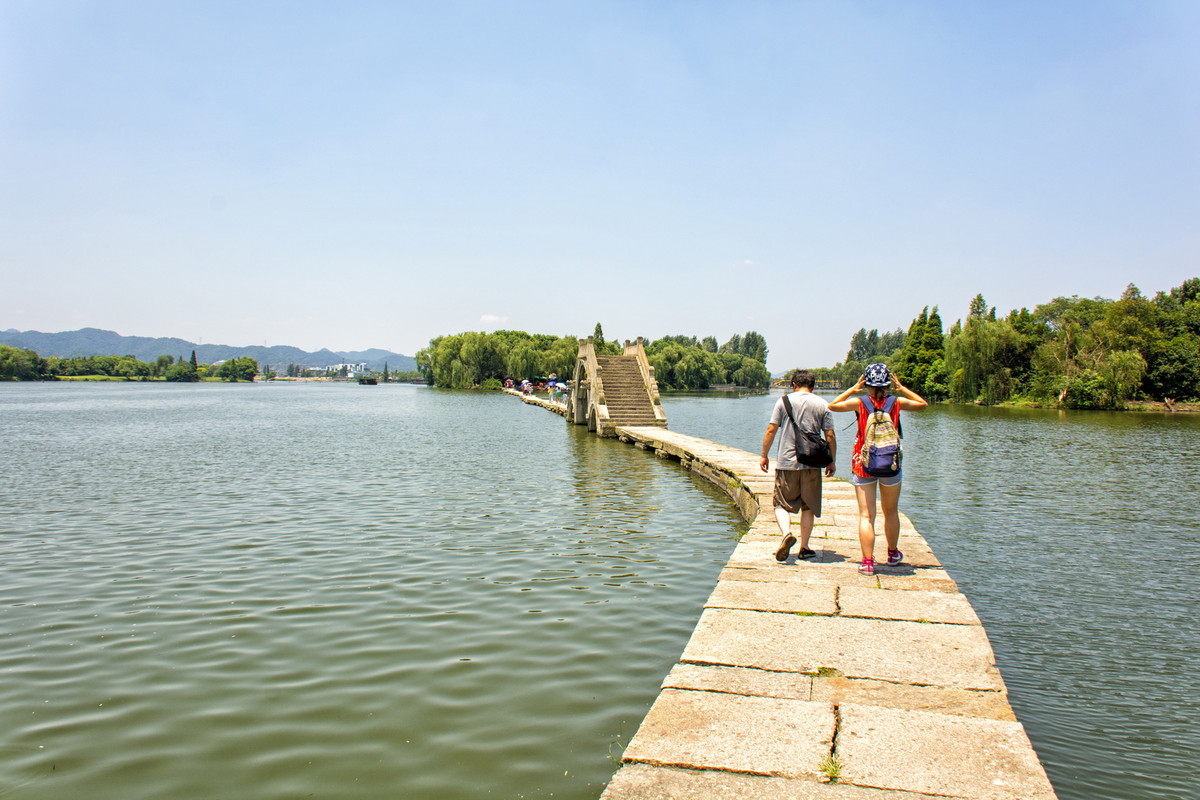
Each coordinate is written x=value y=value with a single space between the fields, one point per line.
x=875 y=409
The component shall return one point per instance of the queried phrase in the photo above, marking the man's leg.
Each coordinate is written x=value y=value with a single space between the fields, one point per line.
x=785 y=485
x=811 y=486
x=784 y=520
x=806 y=526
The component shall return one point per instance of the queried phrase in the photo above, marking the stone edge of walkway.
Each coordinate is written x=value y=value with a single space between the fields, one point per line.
x=797 y=670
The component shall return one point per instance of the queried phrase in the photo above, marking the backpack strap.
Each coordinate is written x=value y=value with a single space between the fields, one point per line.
x=892 y=406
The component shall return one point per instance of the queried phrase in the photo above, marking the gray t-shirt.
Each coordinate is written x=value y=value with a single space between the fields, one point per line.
x=811 y=414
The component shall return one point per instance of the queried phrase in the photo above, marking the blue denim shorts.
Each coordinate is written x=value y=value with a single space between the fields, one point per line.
x=867 y=481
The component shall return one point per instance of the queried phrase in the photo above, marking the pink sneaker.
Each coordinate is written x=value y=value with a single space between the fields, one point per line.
x=894 y=557
x=867 y=567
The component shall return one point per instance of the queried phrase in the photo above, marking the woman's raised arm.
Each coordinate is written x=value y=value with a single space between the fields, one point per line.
x=846 y=401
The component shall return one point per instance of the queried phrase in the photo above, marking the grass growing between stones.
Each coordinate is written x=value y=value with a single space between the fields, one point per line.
x=616 y=742
x=831 y=768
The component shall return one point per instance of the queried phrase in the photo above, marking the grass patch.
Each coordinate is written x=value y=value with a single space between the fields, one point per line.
x=829 y=672
x=831 y=768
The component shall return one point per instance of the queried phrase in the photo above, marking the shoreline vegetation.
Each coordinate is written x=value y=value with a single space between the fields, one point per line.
x=1134 y=353
x=681 y=363
x=26 y=365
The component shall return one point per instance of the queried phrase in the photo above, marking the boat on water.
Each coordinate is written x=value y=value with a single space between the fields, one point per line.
x=365 y=381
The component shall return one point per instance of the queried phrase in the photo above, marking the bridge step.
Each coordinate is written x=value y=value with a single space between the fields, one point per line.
x=625 y=391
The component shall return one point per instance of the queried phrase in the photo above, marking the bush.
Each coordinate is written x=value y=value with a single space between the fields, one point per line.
x=1086 y=390
x=491 y=384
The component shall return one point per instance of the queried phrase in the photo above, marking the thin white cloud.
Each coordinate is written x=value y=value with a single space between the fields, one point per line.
x=492 y=320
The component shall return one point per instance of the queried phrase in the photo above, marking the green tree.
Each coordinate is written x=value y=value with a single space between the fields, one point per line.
x=561 y=357
x=20 y=365
x=979 y=359
x=524 y=362
x=602 y=346
x=921 y=361
x=243 y=368
x=752 y=373
x=665 y=359
x=182 y=372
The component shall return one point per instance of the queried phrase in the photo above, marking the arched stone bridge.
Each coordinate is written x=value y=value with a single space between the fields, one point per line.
x=610 y=391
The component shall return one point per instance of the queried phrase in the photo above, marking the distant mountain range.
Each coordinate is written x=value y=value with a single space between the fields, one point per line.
x=95 y=342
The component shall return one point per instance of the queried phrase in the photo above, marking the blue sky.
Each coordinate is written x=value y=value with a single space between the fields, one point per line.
x=360 y=174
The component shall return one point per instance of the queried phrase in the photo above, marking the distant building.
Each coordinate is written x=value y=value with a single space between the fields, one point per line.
x=352 y=370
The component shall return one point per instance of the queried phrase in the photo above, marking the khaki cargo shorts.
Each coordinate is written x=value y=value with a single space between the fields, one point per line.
x=798 y=490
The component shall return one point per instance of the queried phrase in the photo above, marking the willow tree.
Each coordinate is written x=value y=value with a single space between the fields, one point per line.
x=979 y=357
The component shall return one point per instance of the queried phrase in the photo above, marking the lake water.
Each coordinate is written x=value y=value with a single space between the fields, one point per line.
x=278 y=591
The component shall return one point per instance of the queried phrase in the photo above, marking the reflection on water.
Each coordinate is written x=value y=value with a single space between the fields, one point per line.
x=284 y=591
x=1074 y=535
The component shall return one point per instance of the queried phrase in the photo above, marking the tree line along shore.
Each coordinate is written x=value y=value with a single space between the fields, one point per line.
x=1071 y=352
x=477 y=359
x=27 y=365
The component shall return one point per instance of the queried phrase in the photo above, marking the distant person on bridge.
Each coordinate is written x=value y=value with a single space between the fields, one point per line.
x=878 y=423
x=797 y=485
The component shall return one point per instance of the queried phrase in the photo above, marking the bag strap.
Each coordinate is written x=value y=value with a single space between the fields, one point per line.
x=787 y=406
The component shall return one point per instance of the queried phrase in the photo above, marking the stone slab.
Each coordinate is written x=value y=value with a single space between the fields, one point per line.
x=917 y=606
x=799 y=573
x=740 y=680
x=939 y=754
x=943 y=700
x=645 y=782
x=757 y=735
x=901 y=652
x=921 y=580
x=788 y=598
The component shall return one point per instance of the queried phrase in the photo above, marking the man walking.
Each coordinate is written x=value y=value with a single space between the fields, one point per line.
x=797 y=487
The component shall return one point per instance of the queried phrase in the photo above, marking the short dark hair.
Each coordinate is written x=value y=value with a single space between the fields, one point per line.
x=803 y=378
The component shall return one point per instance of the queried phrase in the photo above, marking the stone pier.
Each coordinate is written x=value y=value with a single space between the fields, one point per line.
x=808 y=680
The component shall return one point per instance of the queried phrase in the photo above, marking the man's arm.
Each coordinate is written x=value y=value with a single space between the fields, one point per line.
x=768 y=440
x=831 y=437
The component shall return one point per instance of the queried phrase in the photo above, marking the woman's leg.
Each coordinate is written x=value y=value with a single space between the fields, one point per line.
x=866 y=518
x=889 y=499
